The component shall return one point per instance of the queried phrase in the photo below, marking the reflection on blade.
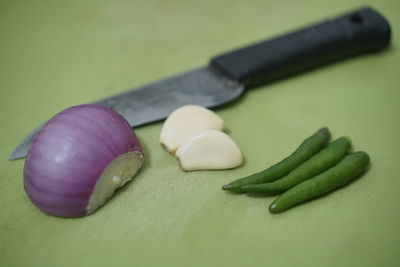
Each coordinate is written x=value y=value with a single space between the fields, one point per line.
x=156 y=101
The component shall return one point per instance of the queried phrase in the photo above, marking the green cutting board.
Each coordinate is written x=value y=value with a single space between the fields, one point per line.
x=55 y=54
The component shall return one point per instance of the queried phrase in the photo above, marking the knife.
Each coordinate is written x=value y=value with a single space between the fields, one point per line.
x=227 y=75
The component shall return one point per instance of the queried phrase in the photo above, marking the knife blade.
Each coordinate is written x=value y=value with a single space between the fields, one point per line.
x=228 y=75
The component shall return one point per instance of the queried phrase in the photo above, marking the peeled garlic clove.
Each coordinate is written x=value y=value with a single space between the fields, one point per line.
x=186 y=121
x=209 y=150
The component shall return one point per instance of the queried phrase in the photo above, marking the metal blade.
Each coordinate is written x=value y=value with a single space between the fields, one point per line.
x=203 y=86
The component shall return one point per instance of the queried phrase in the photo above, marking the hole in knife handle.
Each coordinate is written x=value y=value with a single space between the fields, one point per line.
x=357 y=19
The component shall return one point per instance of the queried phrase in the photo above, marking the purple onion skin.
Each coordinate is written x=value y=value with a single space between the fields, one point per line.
x=69 y=154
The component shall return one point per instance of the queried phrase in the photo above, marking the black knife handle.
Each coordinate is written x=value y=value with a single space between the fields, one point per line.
x=362 y=31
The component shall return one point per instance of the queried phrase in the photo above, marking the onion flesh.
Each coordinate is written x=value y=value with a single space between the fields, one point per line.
x=117 y=174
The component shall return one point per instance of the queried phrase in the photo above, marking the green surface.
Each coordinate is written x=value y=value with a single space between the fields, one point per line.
x=54 y=54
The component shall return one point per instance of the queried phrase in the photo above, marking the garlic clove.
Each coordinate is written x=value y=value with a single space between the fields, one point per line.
x=186 y=121
x=209 y=150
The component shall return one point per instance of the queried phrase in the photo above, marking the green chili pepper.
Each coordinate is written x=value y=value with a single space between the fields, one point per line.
x=346 y=170
x=307 y=149
x=317 y=164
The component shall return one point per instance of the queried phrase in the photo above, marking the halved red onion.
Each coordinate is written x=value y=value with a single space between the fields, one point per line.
x=79 y=158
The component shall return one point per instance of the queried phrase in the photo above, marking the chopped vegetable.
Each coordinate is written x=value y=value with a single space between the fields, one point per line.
x=186 y=121
x=308 y=148
x=209 y=150
x=79 y=158
x=317 y=164
x=344 y=172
